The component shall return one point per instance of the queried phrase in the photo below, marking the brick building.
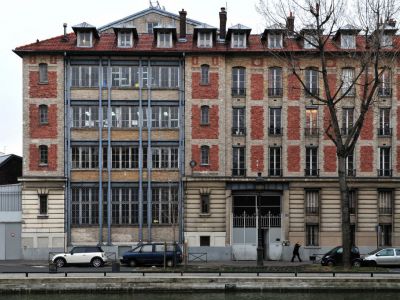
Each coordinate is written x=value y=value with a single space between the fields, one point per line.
x=231 y=133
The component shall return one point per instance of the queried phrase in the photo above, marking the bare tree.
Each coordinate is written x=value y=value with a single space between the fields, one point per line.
x=372 y=55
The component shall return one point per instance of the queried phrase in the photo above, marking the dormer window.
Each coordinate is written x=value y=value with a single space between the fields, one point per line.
x=124 y=39
x=386 y=41
x=164 y=40
x=274 y=40
x=238 y=40
x=204 y=40
x=85 y=39
x=310 y=41
x=347 y=41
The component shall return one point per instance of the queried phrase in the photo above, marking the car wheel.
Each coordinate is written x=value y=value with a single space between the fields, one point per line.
x=356 y=263
x=97 y=262
x=170 y=263
x=132 y=263
x=373 y=263
x=60 y=262
x=330 y=263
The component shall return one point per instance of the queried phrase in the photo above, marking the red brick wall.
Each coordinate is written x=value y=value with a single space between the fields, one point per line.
x=257 y=86
x=40 y=90
x=330 y=159
x=398 y=159
x=327 y=120
x=293 y=130
x=398 y=121
x=205 y=131
x=213 y=159
x=42 y=131
x=34 y=158
x=257 y=154
x=293 y=158
x=332 y=84
x=366 y=158
x=367 y=132
x=209 y=91
x=294 y=90
x=257 y=122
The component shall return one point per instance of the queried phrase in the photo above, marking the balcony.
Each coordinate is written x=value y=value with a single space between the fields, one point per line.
x=385 y=131
x=275 y=92
x=311 y=92
x=351 y=172
x=238 y=92
x=385 y=210
x=384 y=92
x=238 y=131
x=312 y=210
x=275 y=130
x=275 y=172
x=311 y=172
x=238 y=172
x=385 y=172
x=311 y=132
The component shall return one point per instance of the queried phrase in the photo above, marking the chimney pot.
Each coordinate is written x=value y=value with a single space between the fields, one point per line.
x=290 y=24
x=222 y=23
x=182 y=24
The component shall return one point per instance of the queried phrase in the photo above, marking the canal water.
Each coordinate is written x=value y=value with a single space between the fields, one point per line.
x=210 y=296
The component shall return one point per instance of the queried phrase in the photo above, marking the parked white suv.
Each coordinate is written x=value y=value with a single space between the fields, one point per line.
x=92 y=255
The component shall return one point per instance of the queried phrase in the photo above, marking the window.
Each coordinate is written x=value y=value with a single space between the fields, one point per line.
x=311 y=161
x=150 y=26
x=347 y=120
x=43 y=155
x=239 y=162
x=385 y=203
x=352 y=201
x=43 y=115
x=385 y=236
x=165 y=158
x=384 y=122
x=311 y=82
x=312 y=234
x=204 y=74
x=274 y=40
x=204 y=40
x=275 y=116
x=165 y=205
x=275 y=161
x=205 y=115
x=310 y=41
x=125 y=39
x=205 y=203
x=205 y=155
x=85 y=157
x=311 y=128
x=347 y=41
x=275 y=82
x=43 y=204
x=350 y=170
x=312 y=202
x=87 y=76
x=164 y=40
x=238 y=81
x=348 y=88
x=386 y=40
x=385 y=86
x=238 y=40
x=238 y=121
x=85 y=39
x=85 y=205
x=165 y=77
x=384 y=162
x=43 y=75
x=204 y=241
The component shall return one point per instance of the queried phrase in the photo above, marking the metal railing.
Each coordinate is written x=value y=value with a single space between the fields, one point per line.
x=275 y=92
x=385 y=210
x=312 y=210
x=10 y=197
x=266 y=221
x=275 y=130
x=238 y=92
x=311 y=172
x=239 y=172
x=238 y=130
x=311 y=131
x=385 y=172
x=275 y=172
x=311 y=92
x=351 y=172
x=384 y=92
x=384 y=131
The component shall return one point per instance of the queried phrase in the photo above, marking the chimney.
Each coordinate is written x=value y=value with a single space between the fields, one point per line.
x=222 y=23
x=290 y=24
x=65 y=38
x=391 y=23
x=182 y=24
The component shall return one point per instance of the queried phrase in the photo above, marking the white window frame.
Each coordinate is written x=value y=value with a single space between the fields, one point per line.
x=162 y=41
x=238 y=40
x=309 y=40
x=204 y=40
x=386 y=40
x=347 y=80
x=82 y=42
x=347 y=41
x=125 y=39
x=275 y=40
x=151 y=25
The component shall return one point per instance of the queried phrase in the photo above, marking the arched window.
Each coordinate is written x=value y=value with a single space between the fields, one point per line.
x=43 y=73
x=205 y=155
x=204 y=74
x=43 y=114
x=205 y=119
x=43 y=155
x=238 y=81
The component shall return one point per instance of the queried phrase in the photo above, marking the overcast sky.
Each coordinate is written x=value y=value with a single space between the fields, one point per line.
x=24 y=21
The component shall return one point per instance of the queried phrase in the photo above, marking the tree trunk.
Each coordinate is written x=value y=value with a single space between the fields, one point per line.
x=344 y=196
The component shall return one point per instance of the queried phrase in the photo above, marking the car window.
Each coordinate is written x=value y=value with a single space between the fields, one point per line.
x=137 y=249
x=92 y=249
x=386 y=252
x=398 y=252
x=78 y=250
x=339 y=251
x=147 y=248
x=159 y=248
x=355 y=250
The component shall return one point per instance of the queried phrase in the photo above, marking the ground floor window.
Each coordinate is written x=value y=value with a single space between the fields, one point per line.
x=312 y=234
x=385 y=237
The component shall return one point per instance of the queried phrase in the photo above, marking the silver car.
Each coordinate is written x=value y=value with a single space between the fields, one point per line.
x=383 y=257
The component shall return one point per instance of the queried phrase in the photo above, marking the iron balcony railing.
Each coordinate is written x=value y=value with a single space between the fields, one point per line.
x=275 y=172
x=350 y=172
x=251 y=221
x=275 y=92
x=238 y=172
x=351 y=93
x=385 y=131
x=238 y=130
x=238 y=92
x=311 y=131
x=311 y=172
x=384 y=92
x=275 y=130
x=385 y=210
x=312 y=210
x=311 y=91
x=385 y=172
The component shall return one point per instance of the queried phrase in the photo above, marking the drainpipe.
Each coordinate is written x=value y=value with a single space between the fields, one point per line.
x=181 y=149
x=149 y=154
x=109 y=157
x=67 y=227
x=100 y=151
x=140 y=152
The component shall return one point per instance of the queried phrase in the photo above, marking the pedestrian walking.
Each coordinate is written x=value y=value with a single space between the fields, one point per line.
x=296 y=251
